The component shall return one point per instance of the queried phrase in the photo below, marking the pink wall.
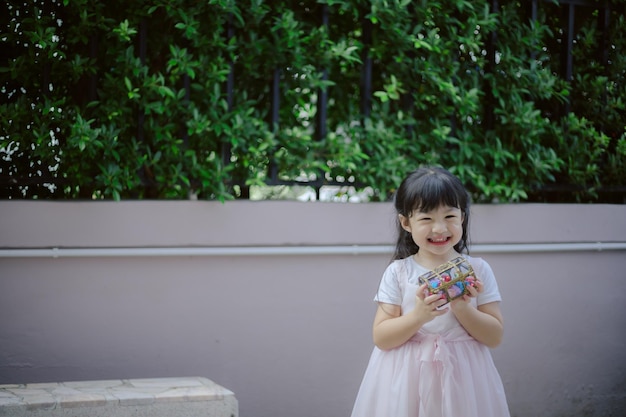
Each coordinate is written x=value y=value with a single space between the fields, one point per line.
x=290 y=333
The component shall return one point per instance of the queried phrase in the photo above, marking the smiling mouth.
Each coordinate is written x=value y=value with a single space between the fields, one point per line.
x=439 y=240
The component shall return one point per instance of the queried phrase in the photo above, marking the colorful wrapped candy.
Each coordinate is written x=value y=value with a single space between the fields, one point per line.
x=451 y=279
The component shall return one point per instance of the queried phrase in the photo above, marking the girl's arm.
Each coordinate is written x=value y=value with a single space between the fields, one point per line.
x=392 y=329
x=484 y=323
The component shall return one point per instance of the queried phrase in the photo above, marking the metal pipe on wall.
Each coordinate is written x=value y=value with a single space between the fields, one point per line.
x=292 y=250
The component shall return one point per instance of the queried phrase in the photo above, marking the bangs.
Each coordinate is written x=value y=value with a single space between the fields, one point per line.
x=432 y=191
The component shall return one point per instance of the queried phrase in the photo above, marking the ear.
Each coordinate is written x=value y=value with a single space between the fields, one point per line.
x=404 y=222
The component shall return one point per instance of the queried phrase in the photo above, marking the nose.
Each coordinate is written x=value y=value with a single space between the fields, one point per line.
x=439 y=226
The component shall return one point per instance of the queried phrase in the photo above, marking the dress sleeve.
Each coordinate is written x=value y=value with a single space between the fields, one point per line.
x=389 y=290
x=484 y=272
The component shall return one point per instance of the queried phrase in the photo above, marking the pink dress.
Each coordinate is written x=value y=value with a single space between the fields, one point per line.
x=442 y=371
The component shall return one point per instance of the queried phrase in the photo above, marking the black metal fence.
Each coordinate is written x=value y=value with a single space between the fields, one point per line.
x=571 y=13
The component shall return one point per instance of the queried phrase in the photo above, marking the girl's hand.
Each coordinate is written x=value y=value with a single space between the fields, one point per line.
x=474 y=290
x=426 y=305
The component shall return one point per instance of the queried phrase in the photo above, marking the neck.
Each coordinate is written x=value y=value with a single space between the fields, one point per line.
x=431 y=261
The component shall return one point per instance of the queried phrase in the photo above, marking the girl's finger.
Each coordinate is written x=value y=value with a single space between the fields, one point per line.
x=434 y=298
x=473 y=291
x=441 y=302
x=422 y=292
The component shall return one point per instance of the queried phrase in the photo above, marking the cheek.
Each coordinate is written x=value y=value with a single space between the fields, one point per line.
x=457 y=226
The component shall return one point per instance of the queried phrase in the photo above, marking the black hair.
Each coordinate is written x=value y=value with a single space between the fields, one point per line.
x=426 y=189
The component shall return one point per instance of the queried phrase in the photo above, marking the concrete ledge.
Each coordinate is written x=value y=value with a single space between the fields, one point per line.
x=157 y=397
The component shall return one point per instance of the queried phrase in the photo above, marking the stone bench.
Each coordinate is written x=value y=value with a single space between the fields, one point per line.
x=158 y=397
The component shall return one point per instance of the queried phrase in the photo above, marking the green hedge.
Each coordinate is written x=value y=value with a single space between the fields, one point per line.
x=111 y=99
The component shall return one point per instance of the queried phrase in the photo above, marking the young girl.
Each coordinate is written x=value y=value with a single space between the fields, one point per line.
x=432 y=360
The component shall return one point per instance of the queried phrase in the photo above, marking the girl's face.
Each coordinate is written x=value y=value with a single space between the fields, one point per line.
x=435 y=232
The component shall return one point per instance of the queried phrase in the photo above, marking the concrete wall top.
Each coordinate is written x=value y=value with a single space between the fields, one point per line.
x=29 y=224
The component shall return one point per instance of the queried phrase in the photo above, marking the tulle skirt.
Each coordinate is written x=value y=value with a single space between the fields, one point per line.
x=432 y=376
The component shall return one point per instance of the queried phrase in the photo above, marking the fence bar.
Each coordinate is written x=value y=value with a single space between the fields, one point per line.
x=141 y=117
x=230 y=86
x=275 y=118
x=533 y=18
x=603 y=52
x=489 y=68
x=322 y=109
x=230 y=80
x=569 y=45
x=366 y=74
x=45 y=75
x=187 y=87
x=603 y=24
x=567 y=57
x=275 y=114
x=92 y=92
x=322 y=94
x=408 y=98
x=590 y=3
x=143 y=47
